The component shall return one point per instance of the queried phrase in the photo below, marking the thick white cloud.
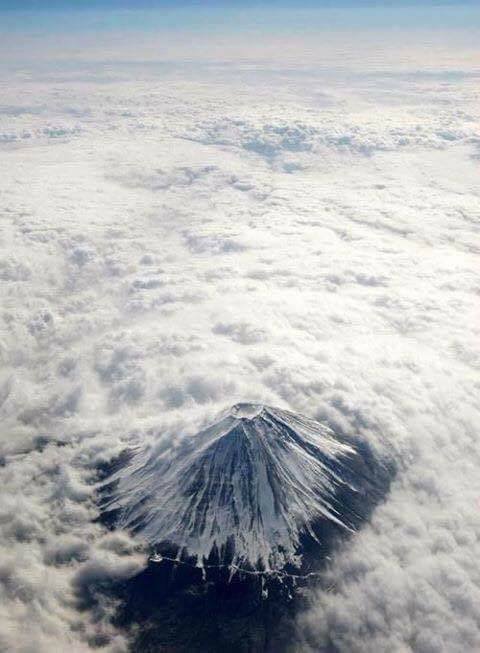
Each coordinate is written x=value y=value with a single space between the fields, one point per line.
x=172 y=244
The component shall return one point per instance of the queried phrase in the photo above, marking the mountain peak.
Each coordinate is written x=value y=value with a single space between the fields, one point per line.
x=250 y=487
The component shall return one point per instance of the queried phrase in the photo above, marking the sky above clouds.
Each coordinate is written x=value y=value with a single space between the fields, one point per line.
x=189 y=219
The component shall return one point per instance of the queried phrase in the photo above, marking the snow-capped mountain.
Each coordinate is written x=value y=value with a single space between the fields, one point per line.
x=251 y=487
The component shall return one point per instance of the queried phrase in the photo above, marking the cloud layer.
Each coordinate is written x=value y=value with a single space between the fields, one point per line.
x=175 y=243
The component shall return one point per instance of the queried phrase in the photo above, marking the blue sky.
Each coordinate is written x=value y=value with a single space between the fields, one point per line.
x=132 y=4
x=76 y=15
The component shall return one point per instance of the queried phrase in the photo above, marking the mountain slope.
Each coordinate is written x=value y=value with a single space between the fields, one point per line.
x=250 y=489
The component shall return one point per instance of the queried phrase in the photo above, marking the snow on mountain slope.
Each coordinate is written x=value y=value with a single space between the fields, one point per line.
x=249 y=487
